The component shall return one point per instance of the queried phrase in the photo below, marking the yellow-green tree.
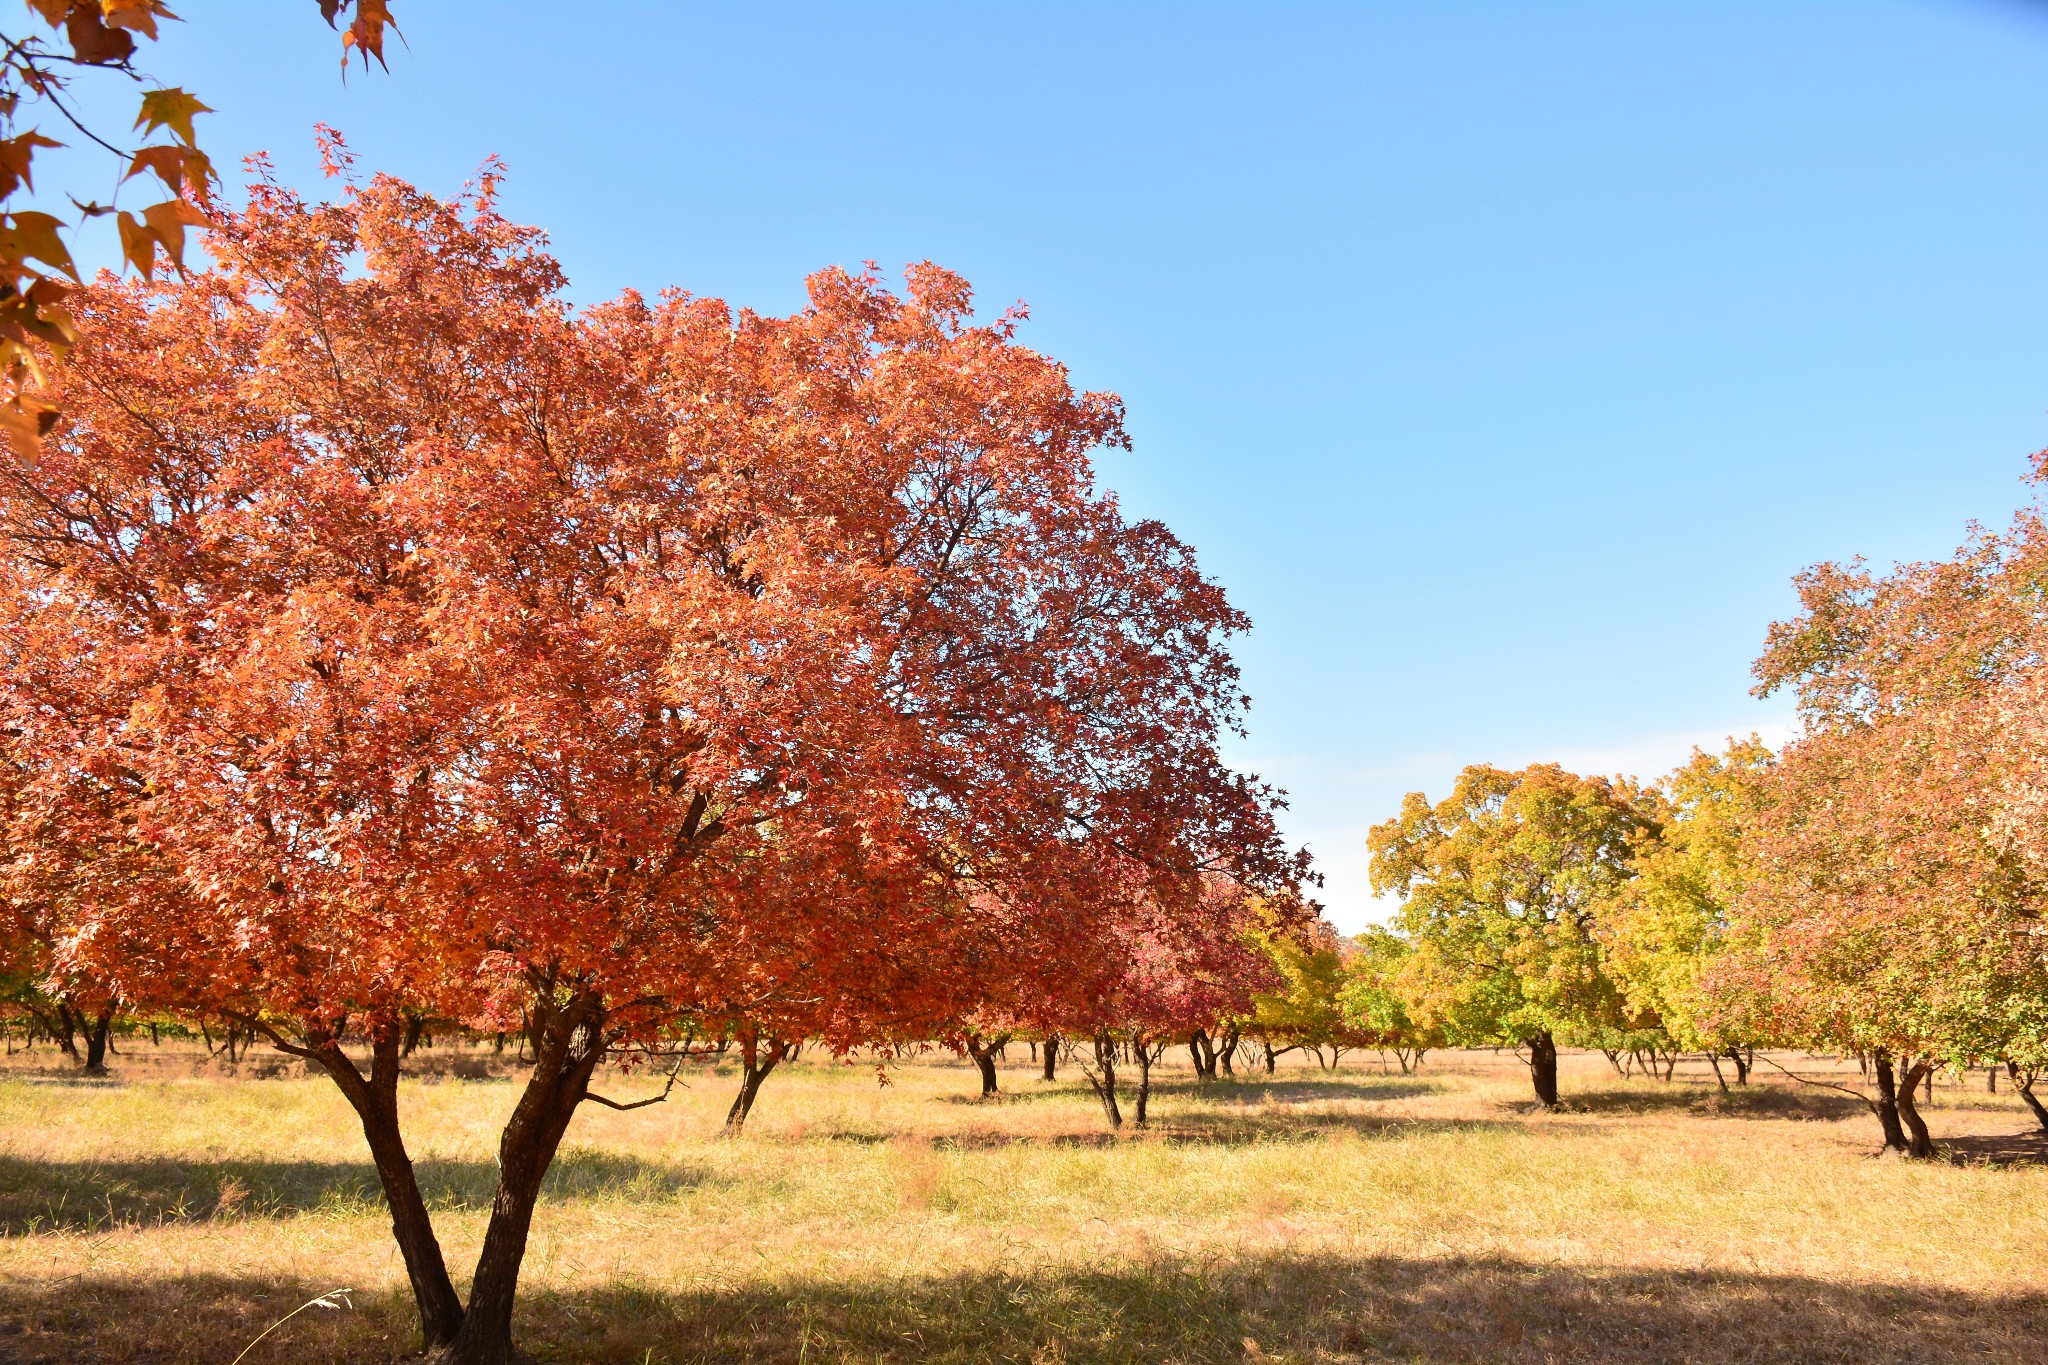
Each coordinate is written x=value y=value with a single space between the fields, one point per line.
x=1500 y=886
x=1663 y=926
x=1373 y=1001
x=1305 y=1012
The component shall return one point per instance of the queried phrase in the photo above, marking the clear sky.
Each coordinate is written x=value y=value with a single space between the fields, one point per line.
x=1504 y=361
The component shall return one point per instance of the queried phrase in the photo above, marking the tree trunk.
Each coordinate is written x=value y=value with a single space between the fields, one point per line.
x=1271 y=1056
x=1543 y=1068
x=1142 y=1051
x=567 y=1048
x=96 y=1042
x=375 y=1100
x=1736 y=1056
x=1203 y=1053
x=984 y=1055
x=755 y=1064
x=1714 y=1059
x=1888 y=1102
x=1102 y=1076
x=2024 y=1084
x=1918 y=1144
x=66 y=1031
x=1051 y=1059
x=1226 y=1057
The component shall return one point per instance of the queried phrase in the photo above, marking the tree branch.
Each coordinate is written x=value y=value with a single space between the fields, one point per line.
x=636 y=1104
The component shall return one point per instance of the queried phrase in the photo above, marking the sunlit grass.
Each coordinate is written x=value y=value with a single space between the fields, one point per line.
x=893 y=1219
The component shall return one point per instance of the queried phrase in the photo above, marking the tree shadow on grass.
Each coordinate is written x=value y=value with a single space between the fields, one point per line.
x=1279 y=1307
x=92 y=1196
x=2001 y=1149
x=1753 y=1101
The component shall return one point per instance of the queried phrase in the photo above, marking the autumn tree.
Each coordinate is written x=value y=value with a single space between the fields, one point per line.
x=460 y=654
x=1305 y=1010
x=1894 y=907
x=1662 y=927
x=1373 y=996
x=1499 y=886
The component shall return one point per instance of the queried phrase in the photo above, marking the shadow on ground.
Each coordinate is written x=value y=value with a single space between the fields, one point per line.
x=97 y=1196
x=2000 y=1149
x=1766 y=1101
x=1272 y=1308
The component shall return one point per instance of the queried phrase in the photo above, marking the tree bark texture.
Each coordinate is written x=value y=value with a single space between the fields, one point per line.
x=1103 y=1078
x=1888 y=1102
x=375 y=1100
x=568 y=1045
x=1543 y=1068
x=756 y=1062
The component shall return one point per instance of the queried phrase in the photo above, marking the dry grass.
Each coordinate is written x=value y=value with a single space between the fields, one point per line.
x=166 y=1216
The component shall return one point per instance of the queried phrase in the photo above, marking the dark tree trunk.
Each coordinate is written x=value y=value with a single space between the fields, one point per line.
x=1203 y=1053
x=1888 y=1102
x=1272 y=1057
x=1543 y=1068
x=375 y=1100
x=1226 y=1056
x=755 y=1064
x=567 y=1048
x=1051 y=1059
x=2023 y=1082
x=66 y=1031
x=1102 y=1076
x=1714 y=1060
x=96 y=1042
x=1145 y=1053
x=1918 y=1143
x=415 y=1028
x=984 y=1055
x=1735 y=1055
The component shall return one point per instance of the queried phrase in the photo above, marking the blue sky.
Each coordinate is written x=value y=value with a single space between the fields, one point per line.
x=1504 y=361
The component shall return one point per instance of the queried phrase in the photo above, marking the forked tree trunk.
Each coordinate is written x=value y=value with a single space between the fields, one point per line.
x=96 y=1042
x=2023 y=1082
x=984 y=1055
x=65 y=1033
x=1918 y=1143
x=755 y=1064
x=1226 y=1056
x=567 y=1048
x=1052 y=1056
x=375 y=1100
x=1888 y=1102
x=1543 y=1068
x=1203 y=1054
x=1102 y=1076
x=1272 y=1057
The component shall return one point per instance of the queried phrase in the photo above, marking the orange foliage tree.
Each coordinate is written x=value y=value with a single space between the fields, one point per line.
x=437 y=648
x=1894 y=903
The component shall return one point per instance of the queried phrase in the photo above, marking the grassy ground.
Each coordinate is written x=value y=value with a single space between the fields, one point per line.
x=169 y=1216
